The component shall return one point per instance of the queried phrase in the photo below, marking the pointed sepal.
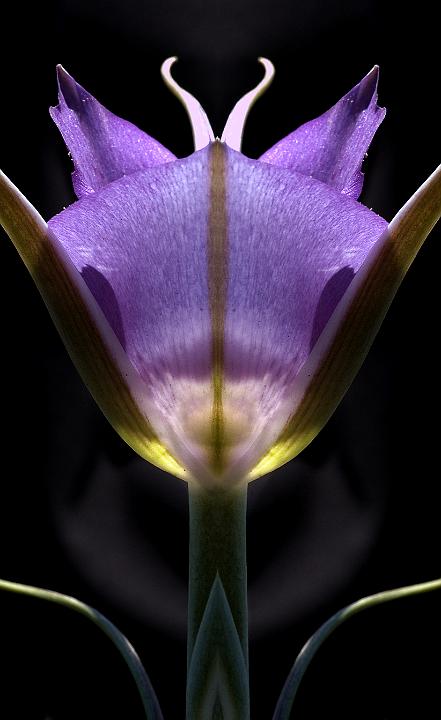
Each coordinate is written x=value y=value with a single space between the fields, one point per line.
x=343 y=344
x=103 y=146
x=332 y=147
x=88 y=337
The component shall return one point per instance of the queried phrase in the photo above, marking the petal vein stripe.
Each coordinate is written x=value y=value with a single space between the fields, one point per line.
x=217 y=284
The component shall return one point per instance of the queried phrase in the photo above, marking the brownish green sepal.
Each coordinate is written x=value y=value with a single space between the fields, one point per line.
x=347 y=337
x=90 y=341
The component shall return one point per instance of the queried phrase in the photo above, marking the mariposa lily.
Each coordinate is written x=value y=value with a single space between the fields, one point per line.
x=218 y=307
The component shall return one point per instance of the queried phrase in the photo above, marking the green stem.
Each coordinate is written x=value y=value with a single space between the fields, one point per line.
x=218 y=552
x=146 y=692
x=307 y=654
x=217 y=547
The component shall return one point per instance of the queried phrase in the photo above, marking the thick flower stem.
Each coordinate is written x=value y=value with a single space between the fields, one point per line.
x=217 y=605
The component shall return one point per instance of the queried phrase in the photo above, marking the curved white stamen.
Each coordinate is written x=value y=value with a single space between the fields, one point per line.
x=200 y=125
x=233 y=131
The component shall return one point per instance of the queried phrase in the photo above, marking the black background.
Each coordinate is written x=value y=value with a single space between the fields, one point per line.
x=356 y=513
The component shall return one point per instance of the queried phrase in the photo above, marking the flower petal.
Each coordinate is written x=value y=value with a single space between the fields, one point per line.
x=103 y=146
x=346 y=339
x=90 y=341
x=294 y=245
x=332 y=147
x=141 y=246
x=217 y=273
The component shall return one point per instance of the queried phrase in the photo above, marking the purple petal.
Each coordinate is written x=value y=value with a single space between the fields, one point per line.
x=339 y=352
x=332 y=147
x=217 y=242
x=294 y=246
x=90 y=341
x=103 y=146
x=140 y=245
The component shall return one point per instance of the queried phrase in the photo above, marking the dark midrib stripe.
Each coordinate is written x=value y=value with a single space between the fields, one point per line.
x=217 y=286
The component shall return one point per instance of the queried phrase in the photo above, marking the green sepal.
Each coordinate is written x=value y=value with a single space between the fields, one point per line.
x=90 y=341
x=307 y=653
x=345 y=341
x=217 y=683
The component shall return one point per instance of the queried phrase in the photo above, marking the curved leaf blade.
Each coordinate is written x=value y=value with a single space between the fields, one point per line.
x=309 y=650
x=124 y=647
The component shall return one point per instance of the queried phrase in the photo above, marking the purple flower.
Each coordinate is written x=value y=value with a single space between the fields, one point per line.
x=218 y=307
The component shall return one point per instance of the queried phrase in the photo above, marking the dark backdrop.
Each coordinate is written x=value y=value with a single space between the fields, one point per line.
x=356 y=513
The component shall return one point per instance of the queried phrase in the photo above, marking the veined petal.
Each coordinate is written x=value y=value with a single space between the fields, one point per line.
x=294 y=245
x=218 y=307
x=217 y=273
x=96 y=352
x=103 y=146
x=141 y=246
x=342 y=346
x=332 y=147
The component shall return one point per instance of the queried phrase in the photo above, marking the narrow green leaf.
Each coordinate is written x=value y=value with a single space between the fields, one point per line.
x=307 y=654
x=126 y=650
